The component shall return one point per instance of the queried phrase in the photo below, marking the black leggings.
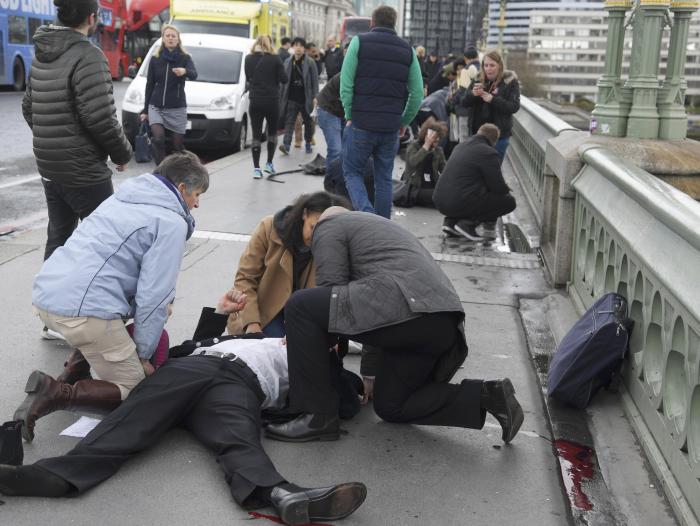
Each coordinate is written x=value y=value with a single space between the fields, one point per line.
x=259 y=112
x=158 y=142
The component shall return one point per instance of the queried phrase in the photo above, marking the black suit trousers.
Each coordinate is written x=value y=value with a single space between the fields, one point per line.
x=404 y=390
x=217 y=400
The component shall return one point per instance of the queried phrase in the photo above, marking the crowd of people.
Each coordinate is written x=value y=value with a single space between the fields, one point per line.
x=328 y=268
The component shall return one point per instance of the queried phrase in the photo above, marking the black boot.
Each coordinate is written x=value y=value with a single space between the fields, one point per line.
x=31 y=481
x=297 y=505
x=498 y=398
x=306 y=428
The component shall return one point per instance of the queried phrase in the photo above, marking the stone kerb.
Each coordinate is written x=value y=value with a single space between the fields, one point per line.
x=637 y=236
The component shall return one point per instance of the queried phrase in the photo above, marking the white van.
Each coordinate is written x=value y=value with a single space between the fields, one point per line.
x=217 y=107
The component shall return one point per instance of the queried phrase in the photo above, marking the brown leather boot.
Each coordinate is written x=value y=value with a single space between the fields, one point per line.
x=75 y=368
x=45 y=395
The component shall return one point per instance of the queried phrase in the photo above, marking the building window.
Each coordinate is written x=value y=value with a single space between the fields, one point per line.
x=18 y=29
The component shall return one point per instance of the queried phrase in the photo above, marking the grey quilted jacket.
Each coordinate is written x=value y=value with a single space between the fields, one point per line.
x=381 y=275
x=69 y=105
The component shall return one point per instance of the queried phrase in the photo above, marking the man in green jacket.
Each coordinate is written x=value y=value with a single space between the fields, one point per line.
x=381 y=88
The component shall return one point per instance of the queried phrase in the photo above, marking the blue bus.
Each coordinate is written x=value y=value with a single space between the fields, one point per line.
x=19 y=19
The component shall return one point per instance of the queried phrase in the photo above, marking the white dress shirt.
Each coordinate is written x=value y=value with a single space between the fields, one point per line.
x=267 y=358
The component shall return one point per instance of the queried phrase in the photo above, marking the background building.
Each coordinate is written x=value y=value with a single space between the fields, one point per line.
x=365 y=8
x=444 y=26
x=517 y=17
x=316 y=19
x=566 y=53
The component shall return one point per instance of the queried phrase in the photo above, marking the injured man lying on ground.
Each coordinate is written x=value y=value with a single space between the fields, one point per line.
x=217 y=388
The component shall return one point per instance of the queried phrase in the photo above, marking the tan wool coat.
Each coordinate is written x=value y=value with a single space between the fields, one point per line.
x=265 y=274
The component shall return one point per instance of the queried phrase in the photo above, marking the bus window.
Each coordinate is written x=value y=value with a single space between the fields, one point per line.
x=18 y=29
x=34 y=24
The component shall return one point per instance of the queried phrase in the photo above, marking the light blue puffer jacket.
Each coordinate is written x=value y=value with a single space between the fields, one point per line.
x=122 y=261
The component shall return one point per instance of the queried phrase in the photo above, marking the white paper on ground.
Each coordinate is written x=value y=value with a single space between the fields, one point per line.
x=81 y=428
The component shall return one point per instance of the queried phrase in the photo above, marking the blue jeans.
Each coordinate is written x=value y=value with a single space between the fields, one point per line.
x=331 y=127
x=502 y=146
x=358 y=146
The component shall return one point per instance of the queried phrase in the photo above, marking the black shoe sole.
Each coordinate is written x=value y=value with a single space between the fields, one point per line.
x=515 y=411
x=338 y=503
x=34 y=383
x=326 y=437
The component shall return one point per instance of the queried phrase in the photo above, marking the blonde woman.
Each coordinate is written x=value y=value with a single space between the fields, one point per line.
x=166 y=106
x=493 y=97
x=264 y=73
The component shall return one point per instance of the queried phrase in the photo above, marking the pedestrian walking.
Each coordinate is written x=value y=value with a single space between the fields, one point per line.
x=378 y=285
x=381 y=88
x=122 y=262
x=283 y=50
x=333 y=57
x=493 y=98
x=264 y=73
x=299 y=94
x=471 y=190
x=166 y=105
x=432 y=65
x=70 y=108
x=276 y=262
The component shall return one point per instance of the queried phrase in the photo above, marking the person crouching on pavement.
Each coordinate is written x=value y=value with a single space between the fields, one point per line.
x=471 y=190
x=368 y=290
x=425 y=160
x=122 y=262
x=276 y=262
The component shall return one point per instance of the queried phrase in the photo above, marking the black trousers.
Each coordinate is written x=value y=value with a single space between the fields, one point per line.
x=292 y=110
x=404 y=389
x=264 y=111
x=217 y=400
x=68 y=205
x=485 y=209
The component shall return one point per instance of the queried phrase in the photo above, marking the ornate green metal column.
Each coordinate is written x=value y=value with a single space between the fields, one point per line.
x=649 y=19
x=673 y=121
x=612 y=106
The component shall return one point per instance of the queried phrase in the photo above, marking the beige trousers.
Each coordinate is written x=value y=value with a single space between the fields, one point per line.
x=106 y=345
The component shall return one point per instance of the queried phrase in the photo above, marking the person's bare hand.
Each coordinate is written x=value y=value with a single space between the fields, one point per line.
x=143 y=117
x=477 y=90
x=232 y=301
x=486 y=97
x=148 y=368
x=121 y=167
x=179 y=71
x=368 y=382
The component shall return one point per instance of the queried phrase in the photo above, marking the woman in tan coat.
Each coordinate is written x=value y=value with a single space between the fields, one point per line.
x=276 y=262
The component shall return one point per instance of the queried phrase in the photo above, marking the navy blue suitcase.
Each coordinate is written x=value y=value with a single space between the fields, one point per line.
x=591 y=353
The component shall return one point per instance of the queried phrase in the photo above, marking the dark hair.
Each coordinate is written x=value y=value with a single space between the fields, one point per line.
x=299 y=40
x=490 y=131
x=285 y=40
x=73 y=13
x=294 y=220
x=471 y=53
x=184 y=167
x=309 y=45
x=384 y=16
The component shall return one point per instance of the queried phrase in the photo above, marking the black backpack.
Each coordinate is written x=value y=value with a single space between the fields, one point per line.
x=590 y=355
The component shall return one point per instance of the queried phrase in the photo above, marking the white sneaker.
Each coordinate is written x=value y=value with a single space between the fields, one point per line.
x=48 y=334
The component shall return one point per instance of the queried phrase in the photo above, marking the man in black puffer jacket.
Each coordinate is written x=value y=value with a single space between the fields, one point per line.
x=69 y=105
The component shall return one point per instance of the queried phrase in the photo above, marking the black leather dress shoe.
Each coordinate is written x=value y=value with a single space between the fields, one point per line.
x=31 y=481
x=498 y=398
x=297 y=505
x=305 y=428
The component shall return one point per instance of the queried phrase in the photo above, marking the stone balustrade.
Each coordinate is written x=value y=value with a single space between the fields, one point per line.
x=608 y=225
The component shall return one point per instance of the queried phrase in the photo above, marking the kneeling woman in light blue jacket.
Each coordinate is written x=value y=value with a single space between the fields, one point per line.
x=121 y=263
